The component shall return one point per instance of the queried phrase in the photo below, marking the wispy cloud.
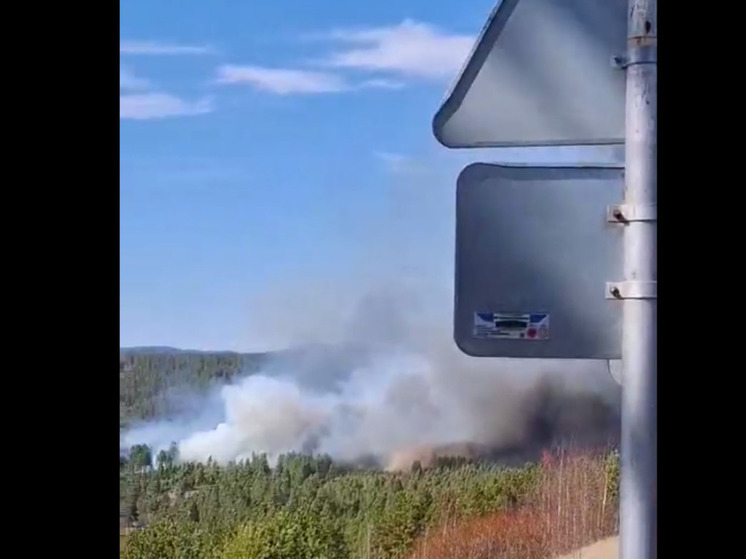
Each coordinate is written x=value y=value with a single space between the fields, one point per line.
x=138 y=101
x=397 y=162
x=281 y=81
x=388 y=55
x=394 y=162
x=145 y=106
x=128 y=81
x=157 y=48
x=410 y=49
x=382 y=84
x=287 y=81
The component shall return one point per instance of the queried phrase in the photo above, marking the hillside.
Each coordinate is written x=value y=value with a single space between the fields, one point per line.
x=441 y=503
x=305 y=508
x=148 y=375
x=170 y=384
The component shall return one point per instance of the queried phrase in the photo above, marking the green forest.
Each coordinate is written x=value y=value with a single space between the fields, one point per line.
x=309 y=507
x=146 y=378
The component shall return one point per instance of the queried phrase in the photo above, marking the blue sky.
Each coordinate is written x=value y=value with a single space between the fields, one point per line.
x=271 y=146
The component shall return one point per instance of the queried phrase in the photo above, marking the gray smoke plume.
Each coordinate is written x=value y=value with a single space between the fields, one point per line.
x=376 y=372
x=353 y=400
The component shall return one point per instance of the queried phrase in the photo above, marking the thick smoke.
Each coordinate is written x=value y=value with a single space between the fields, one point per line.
x=386 y=402
x=377 y=372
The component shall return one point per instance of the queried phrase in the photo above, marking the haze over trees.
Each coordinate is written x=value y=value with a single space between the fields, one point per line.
x=146 y=376
x=313 y=507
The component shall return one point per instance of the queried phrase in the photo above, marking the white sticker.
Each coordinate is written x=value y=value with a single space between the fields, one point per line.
x=511 y=326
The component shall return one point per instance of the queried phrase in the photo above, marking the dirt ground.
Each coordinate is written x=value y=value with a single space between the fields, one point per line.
x=605 y=549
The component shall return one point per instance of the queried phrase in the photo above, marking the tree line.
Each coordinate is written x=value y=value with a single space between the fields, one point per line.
x=301 y=506
x=148 y=381
x=310 y=506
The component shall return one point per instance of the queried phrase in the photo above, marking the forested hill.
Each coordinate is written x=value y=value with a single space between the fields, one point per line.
x=168 y=350
x=148 y=375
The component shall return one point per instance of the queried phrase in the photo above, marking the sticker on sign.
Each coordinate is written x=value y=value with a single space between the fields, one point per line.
x=511 y=326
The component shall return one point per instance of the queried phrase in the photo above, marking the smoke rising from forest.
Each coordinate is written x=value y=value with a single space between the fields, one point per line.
x=387 y=402
x=378 y=374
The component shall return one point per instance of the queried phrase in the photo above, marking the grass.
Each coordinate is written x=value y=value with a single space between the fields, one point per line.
x=574 y=505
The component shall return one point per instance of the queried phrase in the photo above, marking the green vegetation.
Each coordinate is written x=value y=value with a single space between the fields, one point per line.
x=313 y=508
x=147 y=379
x=309 y=507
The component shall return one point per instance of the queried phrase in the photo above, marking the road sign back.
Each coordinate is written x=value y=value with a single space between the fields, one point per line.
x=534 y=251
x=541 y=74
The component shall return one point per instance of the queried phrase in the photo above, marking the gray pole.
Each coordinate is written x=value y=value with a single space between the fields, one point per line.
x=638 y=507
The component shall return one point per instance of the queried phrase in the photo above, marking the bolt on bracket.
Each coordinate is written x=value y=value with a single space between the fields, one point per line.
x=626 y=213
x=642 y=54
x=632 y=290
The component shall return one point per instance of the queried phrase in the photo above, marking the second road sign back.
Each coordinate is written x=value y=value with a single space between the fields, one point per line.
x=535 y=247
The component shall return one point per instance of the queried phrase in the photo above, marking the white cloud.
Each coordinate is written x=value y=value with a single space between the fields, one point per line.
x=409 y=49
x=155 y=48
x=382 y=84
x=282 y=81
x=138 y=101
x=128 y=81
x=145 y=106
x=286 y=81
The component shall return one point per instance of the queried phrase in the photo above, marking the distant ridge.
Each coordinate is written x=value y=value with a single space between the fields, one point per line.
x=140 y=350
x=300 y=350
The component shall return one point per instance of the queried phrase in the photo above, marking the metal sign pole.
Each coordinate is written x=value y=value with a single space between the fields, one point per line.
x=638 y=507
x=473 y=116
